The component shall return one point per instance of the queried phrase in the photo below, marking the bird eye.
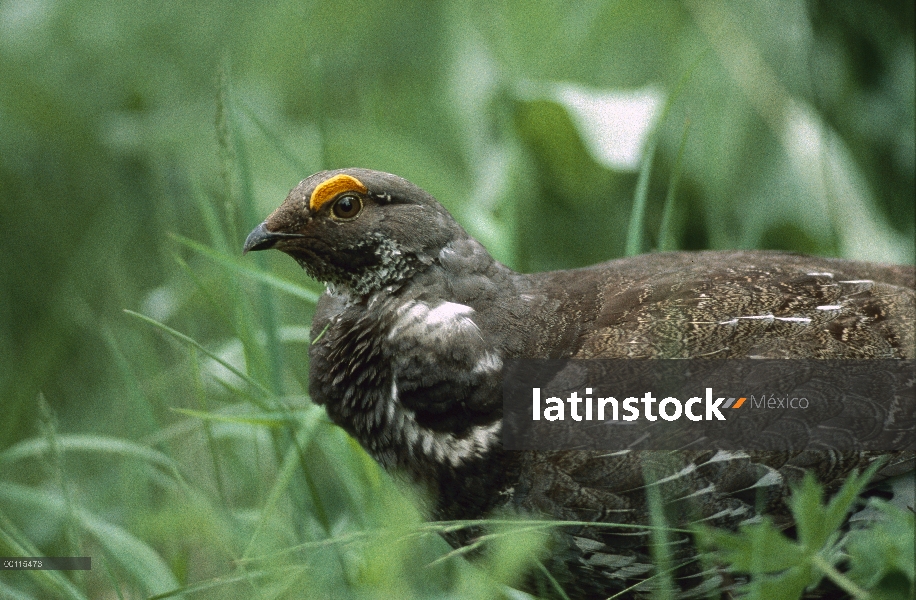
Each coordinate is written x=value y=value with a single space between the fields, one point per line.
x=347 y=207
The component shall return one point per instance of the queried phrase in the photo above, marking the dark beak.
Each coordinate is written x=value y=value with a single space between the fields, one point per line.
x=262 y=239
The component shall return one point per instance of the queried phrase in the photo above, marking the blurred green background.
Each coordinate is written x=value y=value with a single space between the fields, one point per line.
x=128 y=128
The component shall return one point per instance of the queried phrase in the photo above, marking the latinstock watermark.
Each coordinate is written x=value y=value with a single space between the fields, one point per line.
x=704 y=404
x=555 y=408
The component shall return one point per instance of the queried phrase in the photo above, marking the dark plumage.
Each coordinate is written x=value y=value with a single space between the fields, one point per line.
x=418 y=320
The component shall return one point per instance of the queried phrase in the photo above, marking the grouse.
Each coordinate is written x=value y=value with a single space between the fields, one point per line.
x=417 y=322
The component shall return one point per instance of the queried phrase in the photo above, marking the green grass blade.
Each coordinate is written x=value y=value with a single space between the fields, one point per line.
x=131 y=383
x=255 y=274
x=13 y=543
x=554 y=584
x=133 y=555
x=195 y=344
x=239 y=195
x=640 y=198
x=232 y=581
x=661 y=544
x=634 y=243
x=288 y=468
x=37 y=448
x=205 y=290
x=253 y=420
x=201 y=396
x=10 y=593
x=270 y=135
x=665 y=234
x=270 y=354
x=71 y=535
x=215 y=228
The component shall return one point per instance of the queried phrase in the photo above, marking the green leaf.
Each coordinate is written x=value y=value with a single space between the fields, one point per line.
x=844 y=500
x=783 y=568
x=808 y=512
x=881 y=555
x=757 y=548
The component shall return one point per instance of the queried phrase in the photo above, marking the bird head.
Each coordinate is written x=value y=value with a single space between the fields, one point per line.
x=357 y=229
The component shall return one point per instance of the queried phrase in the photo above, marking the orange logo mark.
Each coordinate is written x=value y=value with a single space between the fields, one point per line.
x=330 y=189
x=739 y=402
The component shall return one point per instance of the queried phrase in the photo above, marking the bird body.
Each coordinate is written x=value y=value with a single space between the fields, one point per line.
x=418 y=321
